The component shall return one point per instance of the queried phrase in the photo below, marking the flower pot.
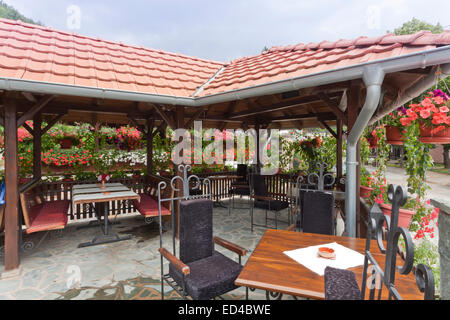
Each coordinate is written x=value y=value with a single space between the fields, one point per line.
x=65 y=143
x=373 y=142
x=404 y=217
x=427 y=135
x=365 y=192
x=394 y=135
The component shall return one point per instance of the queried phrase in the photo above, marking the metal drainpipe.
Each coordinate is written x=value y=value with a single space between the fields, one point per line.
x=373 y=78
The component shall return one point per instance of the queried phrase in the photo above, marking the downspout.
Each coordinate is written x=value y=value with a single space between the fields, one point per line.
x=373 y=78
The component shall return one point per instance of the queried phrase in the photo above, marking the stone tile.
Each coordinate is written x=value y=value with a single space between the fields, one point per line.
x=28 y=294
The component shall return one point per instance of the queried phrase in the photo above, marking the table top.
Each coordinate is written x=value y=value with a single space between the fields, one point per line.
x=91 y=193
x=270 y=269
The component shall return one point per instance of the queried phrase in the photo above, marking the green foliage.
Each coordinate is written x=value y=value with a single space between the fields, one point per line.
x=9 y=12
x=426 y=252
x=418 y=161
x=416 y=25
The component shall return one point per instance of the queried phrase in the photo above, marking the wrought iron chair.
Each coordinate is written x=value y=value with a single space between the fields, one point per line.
x=240 y=187
x=199 y=272
x=261 y=200
x=341 y=284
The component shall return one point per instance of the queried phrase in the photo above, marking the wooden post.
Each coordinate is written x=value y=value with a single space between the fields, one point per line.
x=37 y=146
x=150 y=126
x=258 y=164
x=12 y=227
x=353 y=104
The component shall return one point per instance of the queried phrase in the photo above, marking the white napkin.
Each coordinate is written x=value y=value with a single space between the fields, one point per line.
x=345 y=258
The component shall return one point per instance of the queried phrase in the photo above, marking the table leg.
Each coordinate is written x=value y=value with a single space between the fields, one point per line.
x=106 y=237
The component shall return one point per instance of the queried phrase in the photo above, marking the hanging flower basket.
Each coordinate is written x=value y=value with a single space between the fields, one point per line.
x=404 y=217
x=394 y=135
x=373 y=142
x=66 y=143
x=431 y=134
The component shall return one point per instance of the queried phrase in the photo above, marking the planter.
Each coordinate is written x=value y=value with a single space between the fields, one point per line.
x=394 y=135
x=66 y=143
x=373 y=142
x=404 y=217
x=441 y=137
x=365 y=192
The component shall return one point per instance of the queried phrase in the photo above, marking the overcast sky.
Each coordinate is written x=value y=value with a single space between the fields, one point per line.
x=225 y=30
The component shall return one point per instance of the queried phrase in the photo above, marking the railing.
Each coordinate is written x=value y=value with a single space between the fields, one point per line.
x=279 y=186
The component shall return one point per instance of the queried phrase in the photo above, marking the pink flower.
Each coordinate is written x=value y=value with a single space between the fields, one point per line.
x=444 y=109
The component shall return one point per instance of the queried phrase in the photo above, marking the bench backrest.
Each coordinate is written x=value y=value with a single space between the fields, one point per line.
x=28 y=199
x=151 y=188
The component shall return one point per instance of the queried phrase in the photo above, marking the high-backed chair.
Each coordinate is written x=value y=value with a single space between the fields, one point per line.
x=262 y=200
x=200 y=272
x=241 y=186
x=342 y=284
x=318 y=213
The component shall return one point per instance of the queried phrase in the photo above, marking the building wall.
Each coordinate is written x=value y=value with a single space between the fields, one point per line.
x=438 y=154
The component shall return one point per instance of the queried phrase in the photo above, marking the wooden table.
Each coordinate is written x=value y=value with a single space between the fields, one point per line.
x=271 y=270
x=95 y=194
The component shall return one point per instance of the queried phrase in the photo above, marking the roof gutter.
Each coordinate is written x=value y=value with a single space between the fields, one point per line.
x=415 y=60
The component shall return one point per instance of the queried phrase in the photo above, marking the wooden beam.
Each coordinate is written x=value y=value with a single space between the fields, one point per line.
x=278 y=106
x=149 y=133
x=37 y=146
x=11 y=214
x=230 y=111
x=2 y=121
x=339 y=153
x=52 y=122
x=323 y=116
x=29 y=96
x=332 y=105
x=170 y=122
x=194 y=117
x=35 y=109
x=334 y=134
x=28 y=128
x=136 y=124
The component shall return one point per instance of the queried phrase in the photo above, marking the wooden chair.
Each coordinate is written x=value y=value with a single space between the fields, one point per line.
x=342 y=284
x=200 y=271
x=40 y=214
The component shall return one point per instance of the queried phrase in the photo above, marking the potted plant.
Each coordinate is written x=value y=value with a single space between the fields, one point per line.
x=394 y=127
x=433 y=115
x=366 y=185
x=67 y=176
x=137 y=174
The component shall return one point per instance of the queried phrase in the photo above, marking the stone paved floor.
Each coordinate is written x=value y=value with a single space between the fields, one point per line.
x=122 y=270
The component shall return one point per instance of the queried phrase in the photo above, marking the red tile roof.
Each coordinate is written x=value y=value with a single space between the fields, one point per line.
x=287 y=62
x=38 y=53
x=42 y=54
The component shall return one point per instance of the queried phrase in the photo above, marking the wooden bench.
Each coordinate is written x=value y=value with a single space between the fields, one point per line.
x=40 y=214
x=148 y=205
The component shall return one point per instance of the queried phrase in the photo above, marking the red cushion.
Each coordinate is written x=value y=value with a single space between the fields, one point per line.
x=148 y=206
x=50 y=215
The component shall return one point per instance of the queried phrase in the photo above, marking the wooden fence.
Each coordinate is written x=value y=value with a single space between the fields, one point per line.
x=279 y=186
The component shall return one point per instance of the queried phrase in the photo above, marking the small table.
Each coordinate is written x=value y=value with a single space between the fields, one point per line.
x=271 y=270
x=94 y=193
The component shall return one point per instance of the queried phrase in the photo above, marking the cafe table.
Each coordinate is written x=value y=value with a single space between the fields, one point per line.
x=102 y=194
x=269 y=269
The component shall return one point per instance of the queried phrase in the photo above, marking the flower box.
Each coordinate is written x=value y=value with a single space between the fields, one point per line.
x=394 y=135
x=429 y=134
x=404 y=217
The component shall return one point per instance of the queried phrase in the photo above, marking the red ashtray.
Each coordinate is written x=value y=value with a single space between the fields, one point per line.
x=326 y=253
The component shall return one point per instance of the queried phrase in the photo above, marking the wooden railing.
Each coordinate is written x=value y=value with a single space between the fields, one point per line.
x=279 y=186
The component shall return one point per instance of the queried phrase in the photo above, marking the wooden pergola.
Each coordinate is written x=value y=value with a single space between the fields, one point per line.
x=333 y=99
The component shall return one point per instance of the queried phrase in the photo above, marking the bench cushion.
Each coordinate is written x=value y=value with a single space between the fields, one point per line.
x=148 y=206
x=50 y=215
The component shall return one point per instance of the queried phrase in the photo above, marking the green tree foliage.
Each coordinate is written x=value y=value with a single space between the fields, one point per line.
x=9 y=12
x=416 y=25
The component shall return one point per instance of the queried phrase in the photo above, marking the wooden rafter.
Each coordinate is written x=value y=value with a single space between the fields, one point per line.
x=333 y=133
x=35 y=109
x=194 y=117
x=168 y=119
x=332 y=105
x=52 y=122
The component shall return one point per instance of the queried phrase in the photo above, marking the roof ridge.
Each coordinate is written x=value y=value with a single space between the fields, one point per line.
x=119 y=43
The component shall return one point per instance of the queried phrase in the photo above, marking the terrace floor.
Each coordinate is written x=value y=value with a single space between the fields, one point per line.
x=122 y=270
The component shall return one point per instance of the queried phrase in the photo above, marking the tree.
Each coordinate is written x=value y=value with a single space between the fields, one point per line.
x=9 y=12
x=414 y=26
